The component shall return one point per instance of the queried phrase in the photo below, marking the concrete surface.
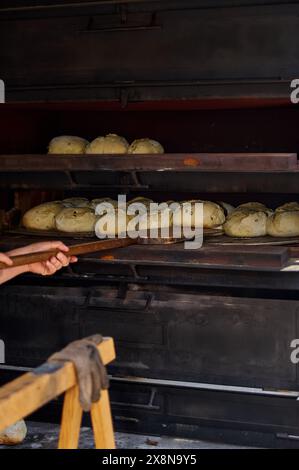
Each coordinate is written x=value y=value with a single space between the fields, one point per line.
x=45 y=436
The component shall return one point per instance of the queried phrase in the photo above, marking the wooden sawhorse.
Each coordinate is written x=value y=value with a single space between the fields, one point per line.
x=27 y=393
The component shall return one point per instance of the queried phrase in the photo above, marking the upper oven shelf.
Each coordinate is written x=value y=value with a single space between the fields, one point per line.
x=166 y=162
x=184 y=172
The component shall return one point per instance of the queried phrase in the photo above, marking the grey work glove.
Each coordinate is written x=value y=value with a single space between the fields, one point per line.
x=91 y=373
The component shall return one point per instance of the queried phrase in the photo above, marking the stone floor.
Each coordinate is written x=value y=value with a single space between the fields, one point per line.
x=44 y=436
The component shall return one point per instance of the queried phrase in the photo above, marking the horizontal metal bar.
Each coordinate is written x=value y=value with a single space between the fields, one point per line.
x=16 y=368
x=136 y=405
x=182 y=384
x=207 y=386
x=293 y=437
x=159 y=83
x=54 y=6
x=118 y=29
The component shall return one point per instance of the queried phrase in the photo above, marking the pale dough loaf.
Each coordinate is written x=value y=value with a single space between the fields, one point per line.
x=145 y=146
x=246 y=223
x=81 y=219
x=213 y=214
x=156 y=219
x=144 y=200
x=283 y=224
x=67 y=144
x=42 y=217
x=109 y=144
x=141 y=205
x=105 y=201
x=288 y=206
x=256 y=206
x=14 y=434
x=113 y=223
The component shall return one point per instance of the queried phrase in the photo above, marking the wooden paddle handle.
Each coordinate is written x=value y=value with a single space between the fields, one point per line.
x=74 y=250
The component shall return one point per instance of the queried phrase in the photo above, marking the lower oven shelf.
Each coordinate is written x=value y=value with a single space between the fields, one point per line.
x=240 y=257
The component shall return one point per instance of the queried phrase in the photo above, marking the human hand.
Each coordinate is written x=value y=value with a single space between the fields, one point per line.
x=5 y=259
x=54 y=263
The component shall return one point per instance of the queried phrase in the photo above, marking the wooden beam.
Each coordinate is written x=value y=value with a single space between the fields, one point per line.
x=29 y=392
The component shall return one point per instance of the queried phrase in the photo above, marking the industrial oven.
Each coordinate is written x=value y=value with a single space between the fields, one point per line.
x=203 y=337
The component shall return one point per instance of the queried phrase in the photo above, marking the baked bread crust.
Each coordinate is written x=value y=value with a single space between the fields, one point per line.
x=42 y=217
x=246 y=223
x=67 y=144
x=145 y=146
x=283 y=224
x=109 y=144
x=213 y=214
x=80 y=219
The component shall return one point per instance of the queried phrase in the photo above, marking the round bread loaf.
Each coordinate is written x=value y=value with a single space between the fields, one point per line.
x=106 y=201
x=42 y=217
x=288 y=206
x=112 y=224
x=14 y=434
x=145 y=146
x=144 y=200
x=81 y=219
x=109 y=144
x=246 y=223
x=255 y=206
x=67 y=144
x=75 y=202
x=155 y=219
x=213 y=214
x=283 y=224
x=140 y=203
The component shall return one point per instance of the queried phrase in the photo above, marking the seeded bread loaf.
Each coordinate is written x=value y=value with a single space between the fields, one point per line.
x=67 y=144
x=283 y=224
x=145 y=146
x=42 y=217
x=80 y=219
x=109 y=144
x=246 y=223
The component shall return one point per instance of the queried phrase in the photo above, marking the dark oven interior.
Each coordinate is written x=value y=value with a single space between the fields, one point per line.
x=202 y=126
x=186 y=129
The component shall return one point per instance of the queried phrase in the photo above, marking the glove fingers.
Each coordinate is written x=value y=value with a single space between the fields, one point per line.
x=85 y=392
x=96 y=375
x=96 y=385
x=102 y=372
x=82 y=366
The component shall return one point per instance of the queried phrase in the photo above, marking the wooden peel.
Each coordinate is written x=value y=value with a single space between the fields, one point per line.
x=89 y=247
x=74 y=250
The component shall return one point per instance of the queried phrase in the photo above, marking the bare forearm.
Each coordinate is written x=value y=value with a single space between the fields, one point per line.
x=9 y=273
x=23 y=250
x=56 y=261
